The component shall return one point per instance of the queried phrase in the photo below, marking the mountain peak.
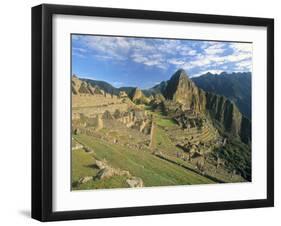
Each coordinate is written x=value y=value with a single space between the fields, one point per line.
x=179 y=74
x=178 y=80
x=182 y=90
x=180 y=70
x=137 y=96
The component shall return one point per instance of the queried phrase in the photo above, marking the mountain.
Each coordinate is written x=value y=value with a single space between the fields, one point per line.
x=127 y=89
x=102 y=85
x=223 y=111
x=108 y=88
x=182 y=90
x=82 y=87
x=234 y=86
x=157 y=89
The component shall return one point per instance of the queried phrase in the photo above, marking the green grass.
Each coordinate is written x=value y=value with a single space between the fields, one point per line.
x=113 y=182
x=152 y=170
x=165 y=122
x=83 y=165
x=163 y=142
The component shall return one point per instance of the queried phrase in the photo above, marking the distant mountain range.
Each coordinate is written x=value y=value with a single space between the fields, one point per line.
x=235 y=86
x=108 y=88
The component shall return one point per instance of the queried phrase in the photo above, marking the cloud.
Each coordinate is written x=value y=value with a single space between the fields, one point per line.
x=176 y=61
x=215 y=49
x=242 y=47
x=224 y=56
x=243 y=66
x=191 y=55
x=117 y=83
x=150 y=60
x=192 y=52
x=80 y=52
x=105 y=46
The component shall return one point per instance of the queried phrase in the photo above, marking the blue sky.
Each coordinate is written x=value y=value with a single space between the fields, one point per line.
x=145 y=62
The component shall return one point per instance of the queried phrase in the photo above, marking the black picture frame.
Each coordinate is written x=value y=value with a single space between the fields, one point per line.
x=42 y=111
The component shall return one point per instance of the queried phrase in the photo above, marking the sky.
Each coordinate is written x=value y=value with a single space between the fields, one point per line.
x=145 y=62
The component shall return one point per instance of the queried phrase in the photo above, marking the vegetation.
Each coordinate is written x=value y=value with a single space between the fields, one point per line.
x=152 y=170
x=237 y=156
x=165 y=122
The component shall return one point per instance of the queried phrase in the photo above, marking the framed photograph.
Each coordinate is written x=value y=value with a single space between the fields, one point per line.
x=145 y=112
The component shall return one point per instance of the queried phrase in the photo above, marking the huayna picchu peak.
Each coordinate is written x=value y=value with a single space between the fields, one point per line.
x=182 y=90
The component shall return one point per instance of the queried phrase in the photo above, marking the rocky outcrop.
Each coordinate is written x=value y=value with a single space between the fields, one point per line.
x=137 y=94
x=138 y=97
x=135 y=182
x=84 y=180
x=100 y=164
x=107 y=171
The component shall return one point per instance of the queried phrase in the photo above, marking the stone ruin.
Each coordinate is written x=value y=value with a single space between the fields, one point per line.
x=76 y=116
x=152 y=134
x=135 y=119
x=187 y=121
x=122 y=94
